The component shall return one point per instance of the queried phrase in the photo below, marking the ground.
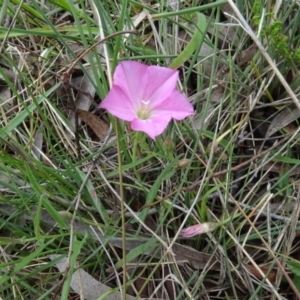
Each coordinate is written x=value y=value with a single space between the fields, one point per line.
x=86 y=198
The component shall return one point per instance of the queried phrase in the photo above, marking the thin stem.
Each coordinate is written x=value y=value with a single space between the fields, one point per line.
x=69 y=70
x=135 y=145
x=122 y=209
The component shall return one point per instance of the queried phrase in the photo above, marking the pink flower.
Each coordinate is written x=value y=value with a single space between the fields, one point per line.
x=198 y=229
x=147 y=97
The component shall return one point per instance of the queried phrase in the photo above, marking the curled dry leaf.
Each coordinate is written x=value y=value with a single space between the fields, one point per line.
x=246 y=56
x=271 y=275
x=284 y=119
x=99 y=127
x=197 y=259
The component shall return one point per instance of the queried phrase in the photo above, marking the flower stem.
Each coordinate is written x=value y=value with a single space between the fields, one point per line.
x=122 y=209
x=136 y=150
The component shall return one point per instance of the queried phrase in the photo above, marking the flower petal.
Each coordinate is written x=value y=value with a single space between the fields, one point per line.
x=136 y=86
x=177 y=105
x=147 y=83
x=160 y=84
x=118 y=104
x=131 y=77
x=198 y=229
x=153 y=126
x=193 y=230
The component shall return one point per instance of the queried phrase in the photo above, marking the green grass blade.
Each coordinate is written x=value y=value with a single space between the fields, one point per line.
x=197 y=38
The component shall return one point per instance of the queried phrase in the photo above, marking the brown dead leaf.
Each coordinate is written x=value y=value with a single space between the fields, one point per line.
x=197 y=259
x=84 y=284
x=85 y=84
x=271 y=275
x=217 y=94
x=246 y=56
x=281 y=168
x=227 y=10
x=99 y=127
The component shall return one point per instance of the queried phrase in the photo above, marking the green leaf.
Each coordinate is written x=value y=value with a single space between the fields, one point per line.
x=11 y=241
x=197 y=38
x=28 y=9
x=77 y=245
x=296 y=281
x=286 y=159
x=294 y=266
x=139 y=250
x=54 y=213
x=165 y=174
x=37 y=219
x=190 y=10
x=94 y=197
x=43 y=201
x=71 y=32
x=132 y=165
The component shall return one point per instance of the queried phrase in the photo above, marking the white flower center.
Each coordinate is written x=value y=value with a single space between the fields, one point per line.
x=144 y=111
